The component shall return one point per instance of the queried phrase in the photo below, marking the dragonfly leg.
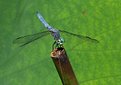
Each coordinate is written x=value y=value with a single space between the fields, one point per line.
x=57 y=45
x=53 y=46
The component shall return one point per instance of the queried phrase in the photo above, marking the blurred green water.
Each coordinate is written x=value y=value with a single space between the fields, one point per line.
x=31 y=65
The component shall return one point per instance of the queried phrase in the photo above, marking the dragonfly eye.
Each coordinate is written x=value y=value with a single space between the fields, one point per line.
x=62 y=40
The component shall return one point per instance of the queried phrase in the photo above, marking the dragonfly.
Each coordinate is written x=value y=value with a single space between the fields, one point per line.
x=58 y=40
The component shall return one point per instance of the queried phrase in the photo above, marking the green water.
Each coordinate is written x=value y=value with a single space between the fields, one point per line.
x=93 y=64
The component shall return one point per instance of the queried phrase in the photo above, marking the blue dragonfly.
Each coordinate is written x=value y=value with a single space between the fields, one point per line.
x=54 y=32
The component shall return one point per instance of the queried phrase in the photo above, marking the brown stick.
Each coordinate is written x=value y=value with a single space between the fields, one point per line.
x=63 y=67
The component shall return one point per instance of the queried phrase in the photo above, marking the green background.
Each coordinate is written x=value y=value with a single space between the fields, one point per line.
x=93 y=64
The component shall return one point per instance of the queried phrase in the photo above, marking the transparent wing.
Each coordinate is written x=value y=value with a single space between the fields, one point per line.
x=29 y=38
x=81 y=37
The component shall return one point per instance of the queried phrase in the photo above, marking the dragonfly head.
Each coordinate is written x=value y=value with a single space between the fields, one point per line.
x=60 y=42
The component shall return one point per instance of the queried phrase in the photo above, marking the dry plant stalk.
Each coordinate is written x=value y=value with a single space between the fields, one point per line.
x=63 y=66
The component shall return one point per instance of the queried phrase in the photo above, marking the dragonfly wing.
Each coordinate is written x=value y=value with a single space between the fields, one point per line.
x=85 y=38
x=29 y=38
